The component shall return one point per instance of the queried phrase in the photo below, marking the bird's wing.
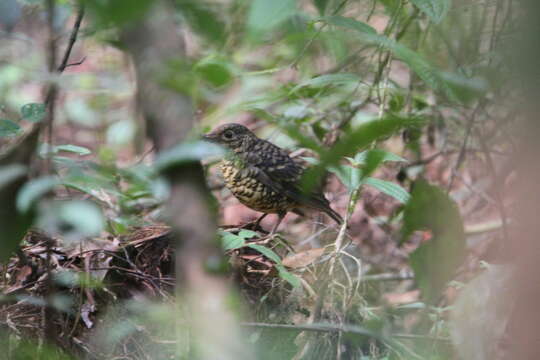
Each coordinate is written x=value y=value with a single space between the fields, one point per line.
x=275 y=162
x=273 y=167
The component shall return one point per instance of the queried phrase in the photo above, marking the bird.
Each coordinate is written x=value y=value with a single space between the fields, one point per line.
x=263 y=176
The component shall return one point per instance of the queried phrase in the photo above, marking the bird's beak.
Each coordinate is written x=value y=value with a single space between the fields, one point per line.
x=209 y=137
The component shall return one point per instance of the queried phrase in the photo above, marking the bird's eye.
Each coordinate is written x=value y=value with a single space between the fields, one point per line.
x=228 y=135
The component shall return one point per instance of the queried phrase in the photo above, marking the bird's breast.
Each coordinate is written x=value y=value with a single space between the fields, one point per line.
x=251 y=192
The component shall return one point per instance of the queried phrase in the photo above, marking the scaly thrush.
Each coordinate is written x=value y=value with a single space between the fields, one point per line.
x=263 y=177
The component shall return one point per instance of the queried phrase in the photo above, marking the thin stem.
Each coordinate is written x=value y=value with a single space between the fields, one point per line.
x=350 y=329
x=72 y=39
x=498 y=188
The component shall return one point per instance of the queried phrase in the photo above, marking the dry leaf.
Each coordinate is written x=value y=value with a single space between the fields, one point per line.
x=402 y=298
x=86 y=310
x=303 y=258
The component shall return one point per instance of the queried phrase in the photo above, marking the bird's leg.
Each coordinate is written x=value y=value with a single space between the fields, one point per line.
x=281 y=215
x=258 y=221
x=254 y=224
x=267 y=238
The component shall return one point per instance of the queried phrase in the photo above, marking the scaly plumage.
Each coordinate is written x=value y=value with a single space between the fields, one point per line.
x=262 y=176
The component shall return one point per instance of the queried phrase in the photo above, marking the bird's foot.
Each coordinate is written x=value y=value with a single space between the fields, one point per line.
x=253 y=226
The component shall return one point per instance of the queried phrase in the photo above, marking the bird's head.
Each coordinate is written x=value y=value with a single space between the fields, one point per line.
x=232 y=136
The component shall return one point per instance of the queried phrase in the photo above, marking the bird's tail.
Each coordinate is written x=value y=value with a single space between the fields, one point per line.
x=333 y=214
x=319 y=202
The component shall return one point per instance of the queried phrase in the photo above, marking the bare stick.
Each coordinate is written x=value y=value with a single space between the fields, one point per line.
x=52 y=92
x=48 y=311
x=350 y=329
x=72 y=39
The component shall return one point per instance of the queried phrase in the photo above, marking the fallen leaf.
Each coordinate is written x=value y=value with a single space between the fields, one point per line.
x=402 y=298
x=24 y=274
x=303 y=258
x=86 y=310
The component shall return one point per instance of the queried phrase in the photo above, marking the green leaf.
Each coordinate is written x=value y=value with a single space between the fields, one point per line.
x=84 y=217
x=121 y=132
x=361 y=157
x=74 y=220
x=355 y=140
x=330 y=79
x=118 y=12
x=8 y=128
x=463 y=88
x=372 y=162
x=287 y=276
x=13 y=224
x=296 y=133
x=203 y=19
x=321 y=5
x=269 y=253
x=186 y=152
x=247 y=234
x=415 y=61
x=434 y=9
x=215 y=71
x=349 y=23
x=33 y=190
x=389 y=188
x=230 y=241
x=283 y=273
x=73 y=149
x=10 y=173
x=33 y=112
x=90 y=184
x=452 y=86
x=297 y=112
x=435 y=261
x=265 y=15
x=349 y=175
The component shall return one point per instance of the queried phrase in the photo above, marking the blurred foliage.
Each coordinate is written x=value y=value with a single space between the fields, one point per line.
x=436 y=261
x=336 y=77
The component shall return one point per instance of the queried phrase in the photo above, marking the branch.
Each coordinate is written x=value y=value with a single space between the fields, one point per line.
x=72 y=39
x=51 y=92
x=463 y=150
x=49 y=332
x=387 y=277
x=483 y=227
x=152 y=43
x=349 y=329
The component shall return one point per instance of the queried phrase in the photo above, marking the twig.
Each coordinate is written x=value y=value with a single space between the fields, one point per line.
x=76 y=63
x=426 y=160
x=295 y=62
x=48 y=311
x=462 y=151
x=498 y=188
x=387 y=277
x=483 y=227
x=139 y=274
x=348 y=60
x=72 y=39
x=310 y=41
x=378 y=76
x=430 y=158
